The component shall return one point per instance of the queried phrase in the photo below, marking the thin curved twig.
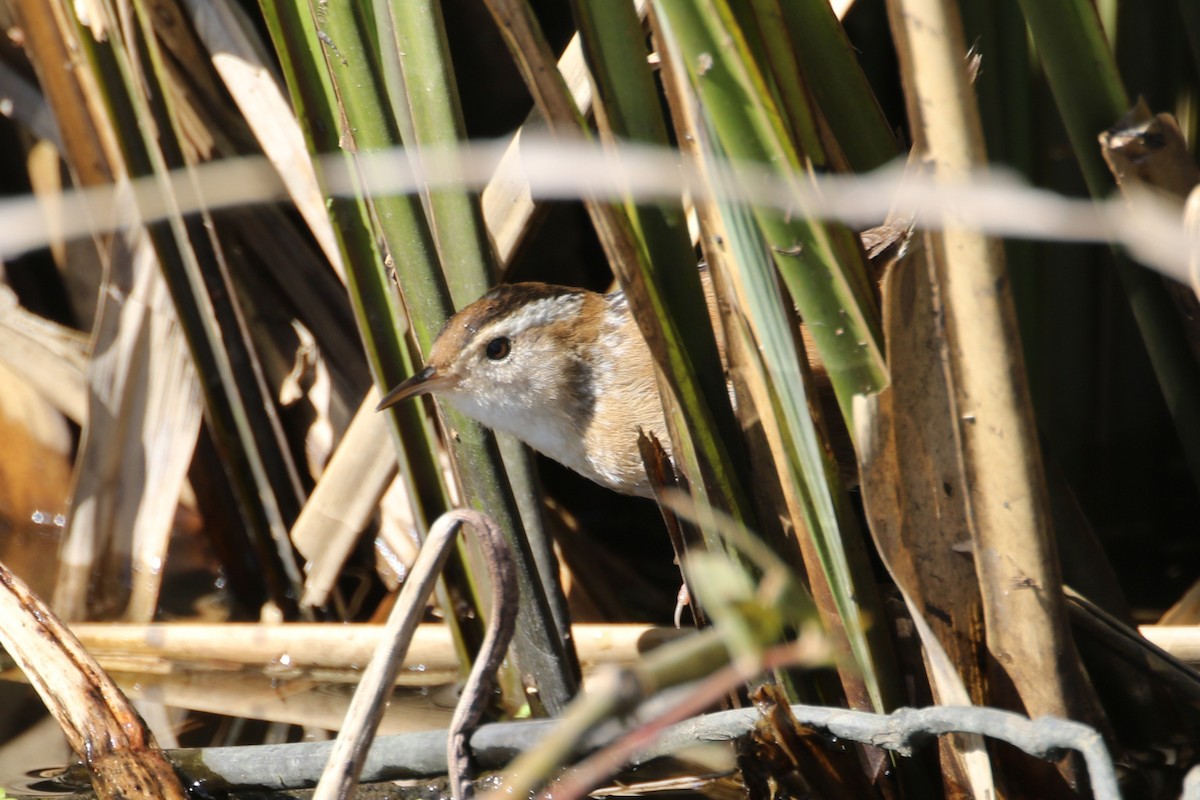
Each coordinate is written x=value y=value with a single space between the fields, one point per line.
x=473 y=700
x=342 y=771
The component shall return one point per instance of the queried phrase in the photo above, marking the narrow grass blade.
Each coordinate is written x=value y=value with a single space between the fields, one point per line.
x=839 y=88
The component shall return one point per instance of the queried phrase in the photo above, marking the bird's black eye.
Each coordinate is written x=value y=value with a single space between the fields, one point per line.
x=497 y=349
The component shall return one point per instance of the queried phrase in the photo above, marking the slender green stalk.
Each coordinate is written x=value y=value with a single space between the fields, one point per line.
x=839 y=88
x=431 y=98
x=310 y=87
x=770 y=41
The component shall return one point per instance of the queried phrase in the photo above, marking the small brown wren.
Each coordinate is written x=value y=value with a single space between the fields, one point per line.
x=567 y=372
x=564 y=370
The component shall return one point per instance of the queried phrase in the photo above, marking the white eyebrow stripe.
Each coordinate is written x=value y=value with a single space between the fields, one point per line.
x=539 y=312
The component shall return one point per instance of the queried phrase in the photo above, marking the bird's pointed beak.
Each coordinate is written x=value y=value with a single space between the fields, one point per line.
x=426 y=381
